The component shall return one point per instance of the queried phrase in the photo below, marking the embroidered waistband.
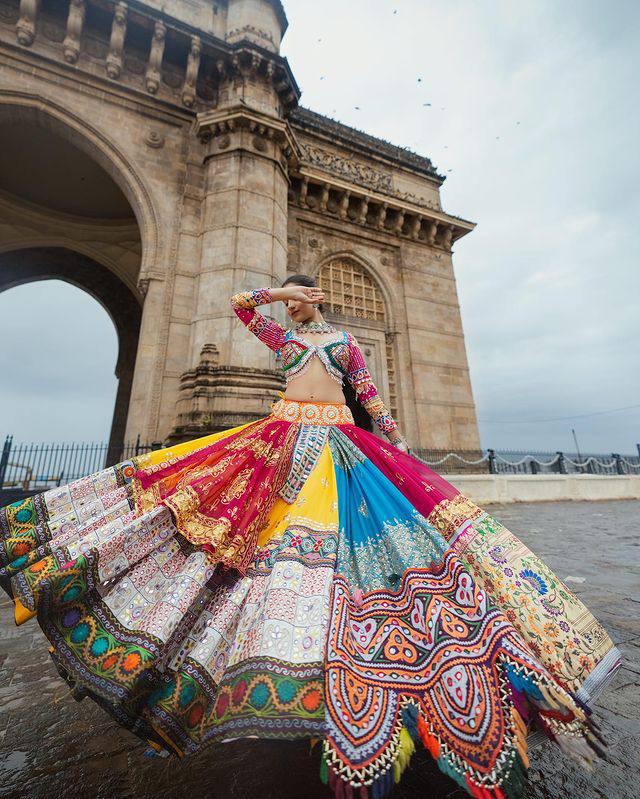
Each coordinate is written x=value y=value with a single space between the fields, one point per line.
x=307 y=412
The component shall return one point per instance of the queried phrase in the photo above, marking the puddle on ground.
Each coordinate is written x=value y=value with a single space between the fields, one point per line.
x=13 y=761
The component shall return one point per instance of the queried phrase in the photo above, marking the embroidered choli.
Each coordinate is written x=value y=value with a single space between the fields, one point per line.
x=341 y=355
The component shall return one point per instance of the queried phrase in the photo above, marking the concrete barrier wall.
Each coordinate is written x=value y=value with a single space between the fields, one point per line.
x=504 y=488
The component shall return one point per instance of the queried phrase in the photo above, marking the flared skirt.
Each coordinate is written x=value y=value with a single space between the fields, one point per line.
x=298 y=577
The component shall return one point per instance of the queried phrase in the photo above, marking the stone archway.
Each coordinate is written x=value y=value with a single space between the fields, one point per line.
x=18 y=267
x=78 y=213
x=33 y=112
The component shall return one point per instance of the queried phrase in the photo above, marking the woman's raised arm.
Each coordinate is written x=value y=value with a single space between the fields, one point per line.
x=267 y=330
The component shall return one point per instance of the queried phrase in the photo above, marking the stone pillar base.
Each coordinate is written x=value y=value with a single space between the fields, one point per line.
x=215 y=398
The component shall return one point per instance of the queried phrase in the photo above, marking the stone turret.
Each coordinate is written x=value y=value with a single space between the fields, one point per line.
x=261 y=22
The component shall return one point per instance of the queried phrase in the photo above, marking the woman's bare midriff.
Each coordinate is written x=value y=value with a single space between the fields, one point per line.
x=314 y=384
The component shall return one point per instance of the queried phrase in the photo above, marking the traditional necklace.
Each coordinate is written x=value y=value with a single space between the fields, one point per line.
x=314 y=327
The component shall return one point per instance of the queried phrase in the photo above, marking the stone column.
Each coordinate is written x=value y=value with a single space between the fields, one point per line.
x=243 y=246
x=247 y=148
x=139 y=420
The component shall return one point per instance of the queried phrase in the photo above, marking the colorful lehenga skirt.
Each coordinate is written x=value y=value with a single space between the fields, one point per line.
x=298 y=577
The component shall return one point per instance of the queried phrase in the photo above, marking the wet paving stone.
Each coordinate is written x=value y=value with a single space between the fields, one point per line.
x=52 y=747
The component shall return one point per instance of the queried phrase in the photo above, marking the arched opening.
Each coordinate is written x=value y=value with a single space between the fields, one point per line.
x=44 y=263
x=73 y=209
x=354 y=299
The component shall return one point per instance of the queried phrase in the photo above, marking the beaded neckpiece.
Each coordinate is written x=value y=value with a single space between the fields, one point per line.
x=314 y=327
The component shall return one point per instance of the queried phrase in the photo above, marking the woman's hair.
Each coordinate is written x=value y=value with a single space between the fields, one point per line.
x=302 y=280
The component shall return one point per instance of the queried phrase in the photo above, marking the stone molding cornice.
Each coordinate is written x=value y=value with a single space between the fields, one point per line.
x=337 y=198
x=221 y=122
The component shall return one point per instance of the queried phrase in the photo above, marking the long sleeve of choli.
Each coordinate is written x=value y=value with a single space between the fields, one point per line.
x=366 y=392
x=267 y=330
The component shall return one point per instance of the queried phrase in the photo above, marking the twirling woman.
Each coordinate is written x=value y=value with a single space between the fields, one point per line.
x=299 y=577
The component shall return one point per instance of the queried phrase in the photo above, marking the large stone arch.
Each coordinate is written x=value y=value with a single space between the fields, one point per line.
x=30 y=264
x=34 y=109
x=109 y=258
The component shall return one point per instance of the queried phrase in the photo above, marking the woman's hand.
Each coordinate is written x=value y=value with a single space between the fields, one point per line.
x=398 y=441
x=309 y=294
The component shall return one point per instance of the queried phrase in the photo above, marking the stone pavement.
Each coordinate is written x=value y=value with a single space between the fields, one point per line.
x=52 y=746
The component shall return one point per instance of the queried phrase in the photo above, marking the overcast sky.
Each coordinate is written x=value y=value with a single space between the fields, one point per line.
x=534 y=120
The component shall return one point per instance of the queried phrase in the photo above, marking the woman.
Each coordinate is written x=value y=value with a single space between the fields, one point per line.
x=300 y=577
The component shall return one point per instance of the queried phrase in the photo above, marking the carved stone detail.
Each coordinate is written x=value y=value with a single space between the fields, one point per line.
x=154 y=139
x=359 y=173
x=152 y=76
x=75 y=21
x=143 y=285
x=382 y=215
x=209 y=355
x=356 y=171
x=241 y=33
x=116 y=42
x=26 y=25
x=191 y=75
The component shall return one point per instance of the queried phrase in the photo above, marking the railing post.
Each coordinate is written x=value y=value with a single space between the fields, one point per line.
x=618 y=460
x=4 y=458
x=138 y=444
x=534 y=467
x=492 y=461
x=562 y=466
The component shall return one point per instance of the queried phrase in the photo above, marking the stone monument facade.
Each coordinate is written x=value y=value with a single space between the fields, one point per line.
x=156 y=155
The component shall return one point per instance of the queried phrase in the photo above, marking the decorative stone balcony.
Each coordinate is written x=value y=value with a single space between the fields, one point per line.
x=144 y=50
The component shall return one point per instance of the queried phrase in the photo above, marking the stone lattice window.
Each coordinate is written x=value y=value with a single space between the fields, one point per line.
x=350 y=291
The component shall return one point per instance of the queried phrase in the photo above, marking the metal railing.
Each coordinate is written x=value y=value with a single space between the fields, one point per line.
x=493 y=461
x=37 y=467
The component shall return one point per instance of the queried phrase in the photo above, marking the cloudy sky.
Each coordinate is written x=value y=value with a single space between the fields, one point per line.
x=533 y=119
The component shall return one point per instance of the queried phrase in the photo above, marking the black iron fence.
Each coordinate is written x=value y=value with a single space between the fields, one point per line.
x=37 y=467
